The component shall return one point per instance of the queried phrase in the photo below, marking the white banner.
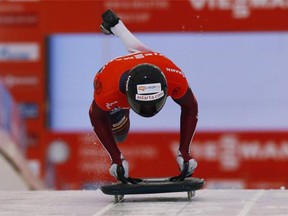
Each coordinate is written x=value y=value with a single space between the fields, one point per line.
x=19 y=52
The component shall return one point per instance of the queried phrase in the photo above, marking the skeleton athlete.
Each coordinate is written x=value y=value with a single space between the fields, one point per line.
x=142 y=81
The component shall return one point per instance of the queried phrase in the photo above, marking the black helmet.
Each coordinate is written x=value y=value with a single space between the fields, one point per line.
x=146 y=89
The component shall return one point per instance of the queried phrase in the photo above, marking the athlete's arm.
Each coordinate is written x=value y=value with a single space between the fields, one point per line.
x=100 y=122
x=188 y=122
x=131 y=43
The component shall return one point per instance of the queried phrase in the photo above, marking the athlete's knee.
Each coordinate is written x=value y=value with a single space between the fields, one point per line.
x=118 y=137
x=120 y=124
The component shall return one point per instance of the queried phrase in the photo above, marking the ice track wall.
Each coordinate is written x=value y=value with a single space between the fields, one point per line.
x=14 y=171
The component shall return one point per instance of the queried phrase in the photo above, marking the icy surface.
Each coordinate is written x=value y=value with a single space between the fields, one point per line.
x=94 y=203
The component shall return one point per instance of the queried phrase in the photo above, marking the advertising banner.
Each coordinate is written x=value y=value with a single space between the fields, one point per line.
x=202 y=15
x=248 y=159
x=225 y=159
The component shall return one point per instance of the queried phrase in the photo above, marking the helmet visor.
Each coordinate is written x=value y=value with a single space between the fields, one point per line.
x=148 y=110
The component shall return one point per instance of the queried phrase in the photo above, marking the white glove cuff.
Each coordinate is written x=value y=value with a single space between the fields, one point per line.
x=192 y=164
x=113 y=169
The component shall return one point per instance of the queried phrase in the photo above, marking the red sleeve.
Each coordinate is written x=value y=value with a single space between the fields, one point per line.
x=99 y=120
x=188 y=122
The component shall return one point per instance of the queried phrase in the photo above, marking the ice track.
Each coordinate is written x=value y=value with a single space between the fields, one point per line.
x=93 y=203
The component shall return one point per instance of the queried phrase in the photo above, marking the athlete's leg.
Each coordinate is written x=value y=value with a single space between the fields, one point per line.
x=131 y=43
x=120 y=124
x=112 y=24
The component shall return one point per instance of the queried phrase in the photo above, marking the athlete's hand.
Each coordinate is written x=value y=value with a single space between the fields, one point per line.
x=121 y=172
x=186 y=168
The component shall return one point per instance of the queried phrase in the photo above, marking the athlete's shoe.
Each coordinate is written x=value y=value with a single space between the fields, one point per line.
x=110 y=19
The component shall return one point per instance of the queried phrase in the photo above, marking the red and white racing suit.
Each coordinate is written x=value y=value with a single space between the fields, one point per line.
x=109 y=94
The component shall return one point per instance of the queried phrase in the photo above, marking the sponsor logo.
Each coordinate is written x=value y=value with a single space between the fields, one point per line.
x=172 y=70
x=240 y=9
x=29 y=110
x=150 y=97
x=15 y=19
x=127 y=82
x=19 y=51
x=128 y=58
x=111 y=104
x=139 y=56
x=230 y=151
x=11 y=8
x=152 y=5
x=148 y=88
x=12 y=81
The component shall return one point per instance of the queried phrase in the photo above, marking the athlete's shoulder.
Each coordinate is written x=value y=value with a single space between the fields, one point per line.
x=176 y=79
